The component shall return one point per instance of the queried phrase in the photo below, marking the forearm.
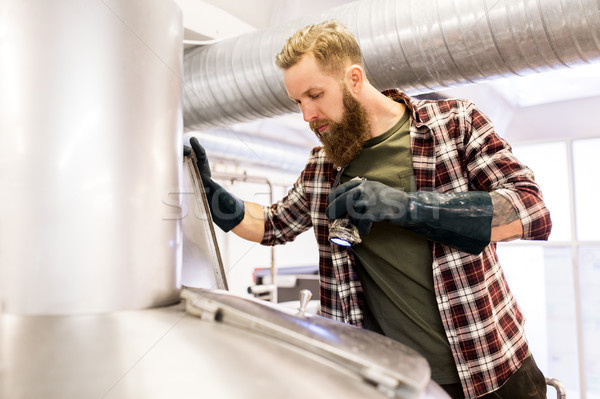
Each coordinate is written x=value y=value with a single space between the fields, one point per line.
x=230 y=213
x=252 y=227
x=461 y=220
x=506 y=225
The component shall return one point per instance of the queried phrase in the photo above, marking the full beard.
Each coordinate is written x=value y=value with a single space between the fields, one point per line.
x=344 y=141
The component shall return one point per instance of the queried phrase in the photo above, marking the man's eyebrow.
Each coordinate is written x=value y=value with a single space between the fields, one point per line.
x=305 y=93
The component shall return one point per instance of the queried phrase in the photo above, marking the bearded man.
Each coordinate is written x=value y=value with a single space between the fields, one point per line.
x=439 y=187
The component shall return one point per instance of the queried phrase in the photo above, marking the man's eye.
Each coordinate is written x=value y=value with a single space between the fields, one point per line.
x=315 y=96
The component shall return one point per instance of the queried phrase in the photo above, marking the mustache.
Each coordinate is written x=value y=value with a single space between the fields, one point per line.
x=315 y=125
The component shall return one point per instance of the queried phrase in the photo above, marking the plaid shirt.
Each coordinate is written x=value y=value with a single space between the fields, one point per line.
x=454 y=149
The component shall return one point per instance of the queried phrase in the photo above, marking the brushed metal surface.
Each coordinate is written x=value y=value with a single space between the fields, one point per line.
x=387 y=364
x=90 y=140
x=166 y=353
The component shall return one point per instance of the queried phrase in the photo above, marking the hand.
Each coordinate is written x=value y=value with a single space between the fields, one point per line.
x=202 y=161
x=227 y=210
x=365 y=202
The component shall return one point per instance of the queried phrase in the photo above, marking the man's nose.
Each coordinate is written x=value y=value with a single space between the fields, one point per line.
x=309 y=113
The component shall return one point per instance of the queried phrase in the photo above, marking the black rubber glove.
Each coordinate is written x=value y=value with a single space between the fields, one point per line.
x=226 y=210
x=460 y=220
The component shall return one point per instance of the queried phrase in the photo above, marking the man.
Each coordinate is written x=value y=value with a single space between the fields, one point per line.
x=438 y=189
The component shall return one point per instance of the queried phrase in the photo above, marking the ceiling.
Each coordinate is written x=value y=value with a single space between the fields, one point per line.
x=560 y=103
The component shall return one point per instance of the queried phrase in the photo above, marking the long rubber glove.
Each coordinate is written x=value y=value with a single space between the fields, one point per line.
x=227 y=211
x=460 y=220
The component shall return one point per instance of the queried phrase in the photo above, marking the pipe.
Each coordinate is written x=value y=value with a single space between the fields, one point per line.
x=235 y=146
x=415 y=45
x=257 y=179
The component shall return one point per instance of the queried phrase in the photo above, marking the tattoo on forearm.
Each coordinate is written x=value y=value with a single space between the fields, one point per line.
x=504 y=212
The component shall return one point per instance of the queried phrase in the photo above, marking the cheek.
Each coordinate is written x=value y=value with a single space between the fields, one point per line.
x=334 y=113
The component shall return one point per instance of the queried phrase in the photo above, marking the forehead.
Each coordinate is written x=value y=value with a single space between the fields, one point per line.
x=306 y=75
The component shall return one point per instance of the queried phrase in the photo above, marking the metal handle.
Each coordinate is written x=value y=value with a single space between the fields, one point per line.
x=305 y=296
x=561 y=393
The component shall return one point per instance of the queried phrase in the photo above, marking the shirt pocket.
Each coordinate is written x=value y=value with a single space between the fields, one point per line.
x=407 y=181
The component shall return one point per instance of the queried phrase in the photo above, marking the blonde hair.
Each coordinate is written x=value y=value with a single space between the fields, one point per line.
x=330 y=42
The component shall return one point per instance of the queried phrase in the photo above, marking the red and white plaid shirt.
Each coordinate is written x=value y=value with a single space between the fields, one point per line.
x=454 y=149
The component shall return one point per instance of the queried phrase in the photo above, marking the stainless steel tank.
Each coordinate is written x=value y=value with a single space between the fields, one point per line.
x=222 y=347
x=90 y=143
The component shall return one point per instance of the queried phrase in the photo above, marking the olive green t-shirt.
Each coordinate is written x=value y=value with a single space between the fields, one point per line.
x=395 y=265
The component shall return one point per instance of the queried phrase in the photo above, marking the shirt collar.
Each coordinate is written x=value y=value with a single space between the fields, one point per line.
x=399 y=96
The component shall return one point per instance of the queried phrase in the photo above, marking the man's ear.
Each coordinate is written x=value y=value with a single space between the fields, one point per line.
x=356 y=78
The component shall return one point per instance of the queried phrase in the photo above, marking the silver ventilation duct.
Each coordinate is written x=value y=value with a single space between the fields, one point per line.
x=415 y=45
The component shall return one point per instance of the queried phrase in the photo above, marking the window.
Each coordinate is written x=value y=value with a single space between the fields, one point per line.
x=587 y=188
x=549 y=164
x=541 y=279
x=589 y=281
x=557 y=283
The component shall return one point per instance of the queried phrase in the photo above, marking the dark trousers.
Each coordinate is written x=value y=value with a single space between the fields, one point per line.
x=527 y=382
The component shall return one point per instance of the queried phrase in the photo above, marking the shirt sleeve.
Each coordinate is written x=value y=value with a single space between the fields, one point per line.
x=290 y=216
x=491 y=166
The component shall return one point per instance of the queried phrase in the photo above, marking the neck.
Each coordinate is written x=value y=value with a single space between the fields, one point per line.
x=384 y=113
